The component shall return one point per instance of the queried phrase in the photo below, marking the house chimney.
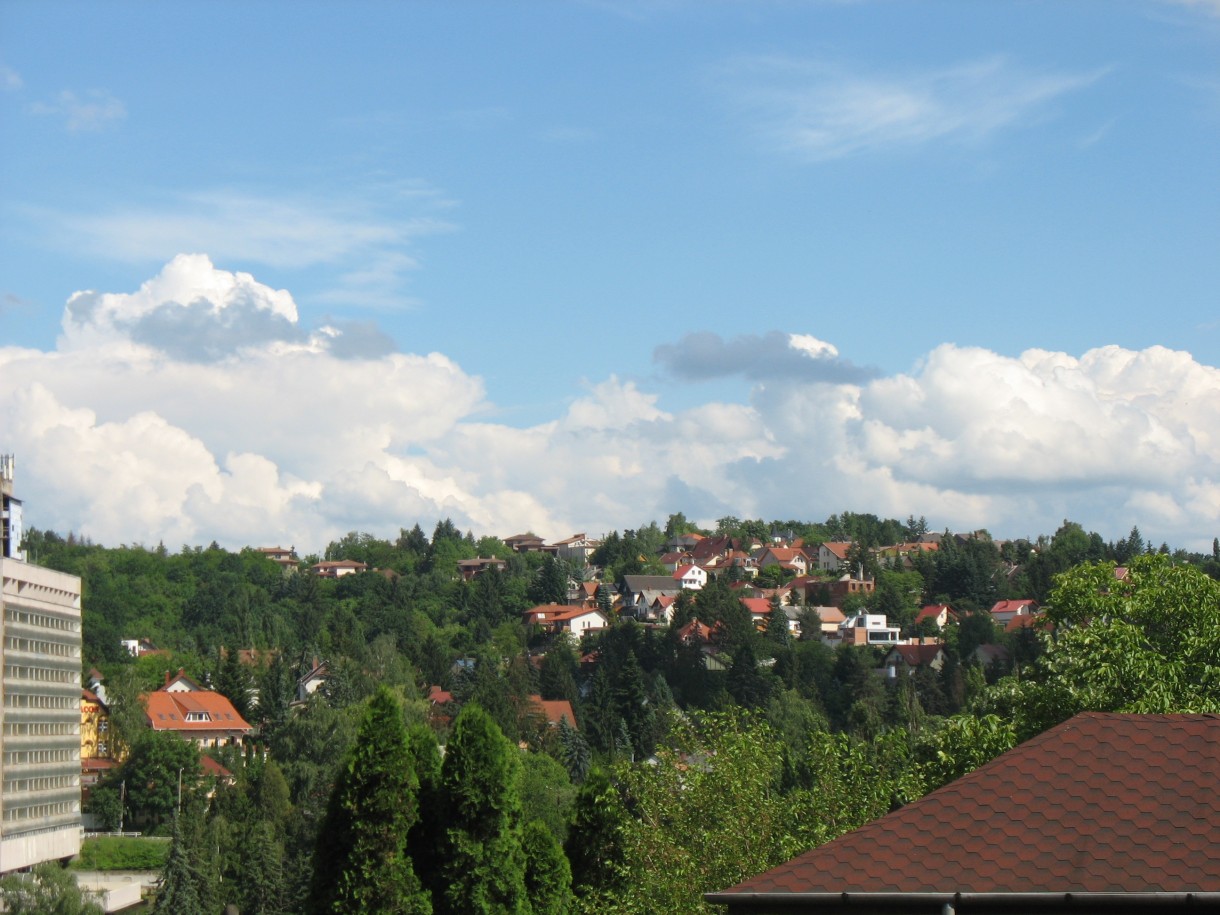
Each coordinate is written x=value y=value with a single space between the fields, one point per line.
x=167 y=678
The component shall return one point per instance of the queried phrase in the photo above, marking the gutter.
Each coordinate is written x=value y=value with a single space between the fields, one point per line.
x=950 y=903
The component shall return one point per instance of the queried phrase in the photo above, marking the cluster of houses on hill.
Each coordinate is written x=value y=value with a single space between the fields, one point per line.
x=817 y=580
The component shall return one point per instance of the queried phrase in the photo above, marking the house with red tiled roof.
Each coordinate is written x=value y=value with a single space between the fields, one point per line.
x=661 y=610
x=338 y=568
x=553 y=710
x=564 y=618
x=940 y=614
x=903 y=553
x=140 y=648
x=1003 y=611
x=716 y=548
x=700 y=634
x=201 y=715
x=832 y=555
x=910 y=658
x=787 y=558
x=527 y=543
x=1103 y=813
x=675 y=559
x=759 y=609
x=831 y=618
x=1035 y=620
x=286 y=559
x=690 y=577
x=577 y=548
x=472 y=568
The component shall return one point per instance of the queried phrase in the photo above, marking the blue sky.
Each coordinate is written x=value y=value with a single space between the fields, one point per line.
x=574 y=266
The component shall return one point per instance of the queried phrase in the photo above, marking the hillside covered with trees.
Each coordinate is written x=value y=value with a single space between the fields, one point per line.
x=676 y=778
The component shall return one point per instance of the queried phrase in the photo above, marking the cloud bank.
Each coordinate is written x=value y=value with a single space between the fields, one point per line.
x=197 y=408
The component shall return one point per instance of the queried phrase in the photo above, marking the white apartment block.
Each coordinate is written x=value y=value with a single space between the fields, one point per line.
x=40 y=669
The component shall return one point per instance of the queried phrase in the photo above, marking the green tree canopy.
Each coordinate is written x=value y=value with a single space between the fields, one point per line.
x=1145 y=643
x=480 y=777
x=49 y=890
x=362 y=863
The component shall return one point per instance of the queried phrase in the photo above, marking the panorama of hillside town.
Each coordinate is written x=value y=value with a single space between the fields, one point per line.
x=624 y=722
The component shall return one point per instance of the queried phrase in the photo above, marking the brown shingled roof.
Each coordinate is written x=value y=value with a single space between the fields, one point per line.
x=1112 y=809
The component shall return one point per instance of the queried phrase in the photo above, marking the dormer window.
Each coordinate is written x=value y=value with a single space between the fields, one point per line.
x=197 y=716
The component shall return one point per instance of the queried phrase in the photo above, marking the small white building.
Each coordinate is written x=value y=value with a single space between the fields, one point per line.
x=866 y=629
x=691 y=577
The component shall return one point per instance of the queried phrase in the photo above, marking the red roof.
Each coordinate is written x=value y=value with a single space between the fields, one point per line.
x=200 y=710
x=1005 y=608
x=917 y=655
x=758 y=606
x=932 y=611
x=558 y=613
x=695 y=630
x=438 y=696
x=838 y=548
x=1104 y=803
x=555 y=710
x=213 y=768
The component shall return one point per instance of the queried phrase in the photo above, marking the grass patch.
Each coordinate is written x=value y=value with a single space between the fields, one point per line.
x=122 y=853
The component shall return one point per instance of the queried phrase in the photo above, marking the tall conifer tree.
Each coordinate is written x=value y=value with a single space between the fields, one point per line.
x=484 y=861
x=362 y=865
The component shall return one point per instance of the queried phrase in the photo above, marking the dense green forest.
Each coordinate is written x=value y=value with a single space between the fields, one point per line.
x=676 y=779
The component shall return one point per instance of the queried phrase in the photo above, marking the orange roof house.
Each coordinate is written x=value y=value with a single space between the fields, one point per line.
x=206 y=717
x=284 y=558
x=553 y=710
x=338 y=568
x=563 y=618
x=1004 y=610
x=1103 y=813
x=940 y=614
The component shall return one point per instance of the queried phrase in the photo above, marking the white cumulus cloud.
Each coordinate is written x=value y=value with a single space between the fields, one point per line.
x=125 y=434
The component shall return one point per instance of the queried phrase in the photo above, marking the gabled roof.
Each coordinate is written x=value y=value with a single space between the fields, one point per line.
x=830 y=614
x=708 y=547
x=695 y=630
x=1112 y=809
x=917 y=655
x=554 y=710
x=838 y=548
x=560 y=613
x=168 y=711
x=213 y=768
x=784 y=555
x=932 y=611
x=438 y=696
x=636 y=583
x=1034 y=620
x=1003 y=608
x=758 y=606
